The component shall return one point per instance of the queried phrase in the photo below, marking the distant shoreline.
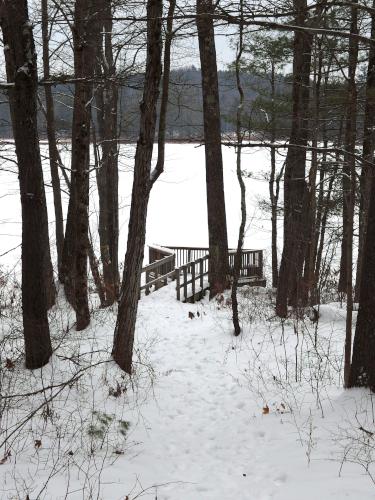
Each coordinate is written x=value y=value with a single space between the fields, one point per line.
x=8 y=140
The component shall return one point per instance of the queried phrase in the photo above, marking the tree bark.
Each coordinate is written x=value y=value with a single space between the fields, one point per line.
x=21 y=68
x=274 y=193
x=289 y=288
x=54 y=157
x=368 y=155
x=86 y=36
x=217 y=225
x=311 y=244
x=241 y=231
x=362 y=372
x=349 y=185
x=107 y=174
x=122 y=351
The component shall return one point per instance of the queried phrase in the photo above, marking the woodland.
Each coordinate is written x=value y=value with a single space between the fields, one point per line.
x=187 y=249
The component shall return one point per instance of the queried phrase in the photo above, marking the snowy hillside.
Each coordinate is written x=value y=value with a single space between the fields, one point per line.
x=206 y=416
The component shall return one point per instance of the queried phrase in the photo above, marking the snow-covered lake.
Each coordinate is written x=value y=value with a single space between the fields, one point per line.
x=177 y=212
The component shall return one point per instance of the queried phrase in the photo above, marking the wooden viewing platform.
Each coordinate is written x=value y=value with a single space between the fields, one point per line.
x=189 y=267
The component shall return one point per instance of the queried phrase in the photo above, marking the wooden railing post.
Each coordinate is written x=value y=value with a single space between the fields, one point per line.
x=173 y=264
x=201 y=273
x=260 y=263
x=193 y=281
x=185 y=282
x=147 y=289
x=178 y=285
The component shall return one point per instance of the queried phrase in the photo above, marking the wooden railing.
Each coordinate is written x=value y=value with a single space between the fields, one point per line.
x=192 y=273
x=162 y=267
x=251 y=261
x=188 y=254
x=189 y=266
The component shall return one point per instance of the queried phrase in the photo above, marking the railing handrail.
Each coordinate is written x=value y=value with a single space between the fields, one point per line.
x=199 y=276
x=162 y=249
x=189 y=264
x=179 y=262
x=158 y=263
x=170 y=247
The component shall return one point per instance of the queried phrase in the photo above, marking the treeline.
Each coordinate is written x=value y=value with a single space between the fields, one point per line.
x=185 y=113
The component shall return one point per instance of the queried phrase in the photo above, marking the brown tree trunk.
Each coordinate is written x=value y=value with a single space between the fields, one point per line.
x=368 y=155
x=86 y=36
x=107 y=174
x=54 y=157
x=274 y=193
x=21 y=69
x=94 y=266
x=217 y=225
x=322 y=233
x=127 y=313
x=295 y=191
x=241 y=231
x=311 y=244
x=362 y=371
x=349 y=184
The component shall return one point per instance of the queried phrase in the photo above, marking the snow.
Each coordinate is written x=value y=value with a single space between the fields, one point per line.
x=211 y=416
x=177 y=213
x=205 y=416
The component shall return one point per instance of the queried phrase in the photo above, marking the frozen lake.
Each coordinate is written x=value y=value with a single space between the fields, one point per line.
x=177 y=212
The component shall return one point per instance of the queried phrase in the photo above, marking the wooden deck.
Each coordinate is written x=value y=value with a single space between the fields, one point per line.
x=188 y=266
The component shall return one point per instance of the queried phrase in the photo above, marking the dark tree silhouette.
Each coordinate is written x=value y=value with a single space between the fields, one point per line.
x=21 y=68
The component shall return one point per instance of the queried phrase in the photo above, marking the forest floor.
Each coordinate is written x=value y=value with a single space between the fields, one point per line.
x=206 y=416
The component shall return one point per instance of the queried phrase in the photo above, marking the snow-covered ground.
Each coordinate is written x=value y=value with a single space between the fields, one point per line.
x=206 y=417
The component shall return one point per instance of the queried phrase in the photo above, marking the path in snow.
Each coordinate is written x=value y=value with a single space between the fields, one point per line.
x=206 y=432
x=200 y=432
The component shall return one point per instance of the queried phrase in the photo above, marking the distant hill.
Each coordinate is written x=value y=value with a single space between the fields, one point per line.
x=184 y=121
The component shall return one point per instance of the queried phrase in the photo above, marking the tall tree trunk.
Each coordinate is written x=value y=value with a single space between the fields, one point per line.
x=349 y=183
x=217 y=225
x=368 y=154
x=309 y=271
x=86 y=37
x=362 y=371
x=54 y=157
x=241 y=232
x=107 y=174
x=295 y=191
x=122 y=351
x=21 y=68
x=274 y=193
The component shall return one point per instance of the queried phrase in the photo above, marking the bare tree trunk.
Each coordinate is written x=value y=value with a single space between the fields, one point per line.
x=217 y=225
x=274 y=193
x=107 y=174
x=323 y=228
x=21 y=68
x=86 y=36
x=309 y=271
x=368 y=155
x=54 y=157
x=94 y=266
x=349 y=183
x=362 y=370
x=241 y=232
x=159 y=167
x=122 y=351
x=295 y=192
